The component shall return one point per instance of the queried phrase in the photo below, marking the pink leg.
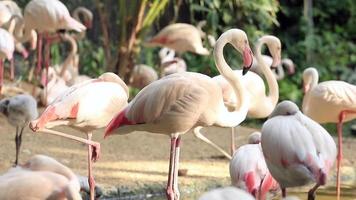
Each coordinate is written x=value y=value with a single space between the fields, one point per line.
x=176 y=168
x=169 y=189
x=39 y=54
x=1 y=73
x=342 y=116
x=232 y=141
x=90 y=173
x=95 y=145
x=12 y=69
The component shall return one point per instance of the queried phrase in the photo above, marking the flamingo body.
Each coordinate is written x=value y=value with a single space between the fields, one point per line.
x=53 y=14
x=7 y=45
x=325 y=101
x=174 y=36
x=41 y=177
x=142 y=75
x=228 y=193
x=297 y=150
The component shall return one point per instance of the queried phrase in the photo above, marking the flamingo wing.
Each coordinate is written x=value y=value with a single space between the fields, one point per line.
x=172 y=104
x=337 y=92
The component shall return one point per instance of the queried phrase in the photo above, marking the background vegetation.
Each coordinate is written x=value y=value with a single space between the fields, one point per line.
x=313 y=33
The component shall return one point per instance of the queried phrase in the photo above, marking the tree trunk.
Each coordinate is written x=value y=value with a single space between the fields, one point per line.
x=126 y=54
x=103 y=12
x=308 y=15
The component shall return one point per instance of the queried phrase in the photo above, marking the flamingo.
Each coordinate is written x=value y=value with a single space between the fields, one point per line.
x=177 y=103
x=260 y=104
x=41 y=177
x=7 y=46
x=169 y=63
x=7 y=9
x=85 y=106
x=54 y=17
x=142 y=75
x=297 y=150
x=329 y=101
x=279 y=73
x=248 y=169
x=87 y=17
x=175 y=36
x=55 y=86
x=227 y=193
x=19 y=110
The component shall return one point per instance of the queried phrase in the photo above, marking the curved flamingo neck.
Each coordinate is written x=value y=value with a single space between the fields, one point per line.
x=314 y=79
x=273 y=89
x=225 y=70
x=279 y=73
x=71 y=56
x=21 y=32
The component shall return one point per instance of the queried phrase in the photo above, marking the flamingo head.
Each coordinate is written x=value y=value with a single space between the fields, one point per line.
x=309 y=78
x=240 y=42
x=288 y=63
x=274 y=47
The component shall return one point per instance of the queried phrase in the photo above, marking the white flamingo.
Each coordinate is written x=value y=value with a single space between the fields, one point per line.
x=177 y=103
x=329 y=101
x=260 y=103
x=297 y=150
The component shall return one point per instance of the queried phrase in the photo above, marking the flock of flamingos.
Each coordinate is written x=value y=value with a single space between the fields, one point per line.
x=291 y=150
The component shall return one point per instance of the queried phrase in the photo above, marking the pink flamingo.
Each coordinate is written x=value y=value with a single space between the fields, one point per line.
x=169 y=63
x=175 y=36
x=248 y=169
x=55 y=86
x=7 y=9
x=41 y=177
x=329 y=101
x=227 y=193
x=7 y=47
x=297 y=150
x=260 y=103
x=86 y=106
x=177 y=103
x=142 y=75
x=54 y=17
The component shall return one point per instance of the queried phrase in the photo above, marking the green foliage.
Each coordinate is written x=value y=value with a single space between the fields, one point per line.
x=91 y=58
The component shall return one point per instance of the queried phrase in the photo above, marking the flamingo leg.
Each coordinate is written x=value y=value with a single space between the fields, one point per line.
x=284 y=192
x=200 y=136
x=18 y=141
x=12 y=69
x=311 y=193
x=169 y=189
x=95 y=145
x=342 y=117
x=39 y=54
x=91 y=180
x=1 y=73
x=232 y=140
x=176 y=168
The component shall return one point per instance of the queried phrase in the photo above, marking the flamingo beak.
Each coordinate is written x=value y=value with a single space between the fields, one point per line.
x=276 y=62
x=248 y=59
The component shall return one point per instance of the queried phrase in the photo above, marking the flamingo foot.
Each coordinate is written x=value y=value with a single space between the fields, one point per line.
x=95 y=152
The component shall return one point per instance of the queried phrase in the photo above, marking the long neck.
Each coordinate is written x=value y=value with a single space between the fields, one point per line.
x=314 y=79
x=239 y=114
x=71 y=56
x=273 y=93
x=279 y=73
x=21 y=32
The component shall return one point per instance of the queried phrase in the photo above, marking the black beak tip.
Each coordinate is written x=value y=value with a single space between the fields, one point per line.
x=244 y=70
